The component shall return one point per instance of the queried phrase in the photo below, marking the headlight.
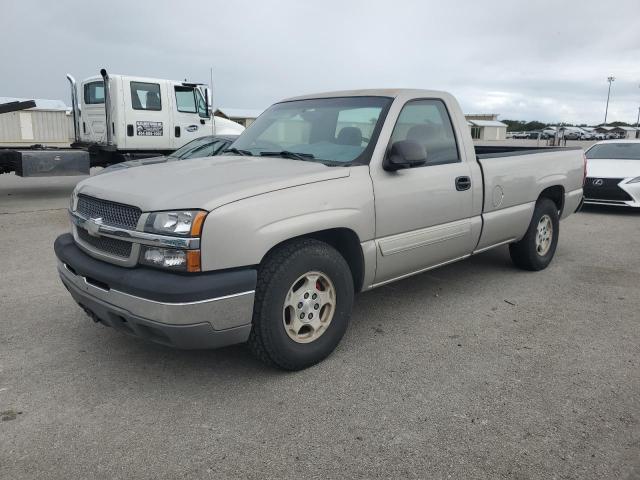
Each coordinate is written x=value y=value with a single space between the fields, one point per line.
x=171 y=259
x=182 y=223
x=72 y=200
x=187 y=223
x=634 y=180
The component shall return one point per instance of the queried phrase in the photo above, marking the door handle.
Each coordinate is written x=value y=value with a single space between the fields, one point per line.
x=463 y=183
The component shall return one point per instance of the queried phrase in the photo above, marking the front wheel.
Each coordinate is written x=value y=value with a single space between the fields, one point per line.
x=302 y=304
x=537 y=248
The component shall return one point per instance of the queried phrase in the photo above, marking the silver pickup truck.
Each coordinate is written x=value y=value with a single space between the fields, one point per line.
x=323 y=196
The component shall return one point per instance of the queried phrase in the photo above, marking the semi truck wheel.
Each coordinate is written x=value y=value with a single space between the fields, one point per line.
x=536 y=249
x=302 y=304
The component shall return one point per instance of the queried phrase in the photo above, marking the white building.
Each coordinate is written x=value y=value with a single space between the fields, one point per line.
x=49 y=123
x=628 y=132
x=486 y=126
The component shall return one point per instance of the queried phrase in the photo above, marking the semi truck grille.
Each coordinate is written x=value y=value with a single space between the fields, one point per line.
x=111 y=213
x=110 y=246
x=604 y=189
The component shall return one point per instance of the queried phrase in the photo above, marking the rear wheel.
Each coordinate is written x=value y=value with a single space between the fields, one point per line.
x=537 y=248
x=302 y=305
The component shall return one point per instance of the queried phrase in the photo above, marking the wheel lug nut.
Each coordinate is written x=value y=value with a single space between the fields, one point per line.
x=300 y=305
x=306 y=295
x=302 y=315
x=314 y=296
x=316 y=306
x=310 y=316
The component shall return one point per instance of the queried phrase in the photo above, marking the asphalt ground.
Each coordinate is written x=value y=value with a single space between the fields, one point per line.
x=474 y=370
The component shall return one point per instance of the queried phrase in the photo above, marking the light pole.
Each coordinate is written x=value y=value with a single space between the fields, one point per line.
x=638 y=121
x=610 y=79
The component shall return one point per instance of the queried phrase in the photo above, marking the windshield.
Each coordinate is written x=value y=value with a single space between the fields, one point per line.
x=617 y=151
x=335 y=131
x=200 y=147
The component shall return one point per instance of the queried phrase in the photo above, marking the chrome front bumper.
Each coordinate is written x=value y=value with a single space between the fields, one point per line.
x=190 y=322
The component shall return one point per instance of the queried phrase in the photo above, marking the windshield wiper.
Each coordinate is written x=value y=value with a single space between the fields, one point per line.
x=238 y=151
x=288 y=154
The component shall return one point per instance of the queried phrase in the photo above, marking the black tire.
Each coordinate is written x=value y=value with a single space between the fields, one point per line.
x=268 y=340
x=524 y=254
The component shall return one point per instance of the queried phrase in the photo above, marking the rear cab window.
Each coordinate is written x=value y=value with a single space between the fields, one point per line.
x=145 y=96
x=94 y=93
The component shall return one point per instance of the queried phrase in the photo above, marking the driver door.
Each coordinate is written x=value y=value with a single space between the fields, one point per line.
x=423 y=214
x=191 y=119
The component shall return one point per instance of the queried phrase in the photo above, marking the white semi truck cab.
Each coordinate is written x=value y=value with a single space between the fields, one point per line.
x=144 y=114
x=122 y=117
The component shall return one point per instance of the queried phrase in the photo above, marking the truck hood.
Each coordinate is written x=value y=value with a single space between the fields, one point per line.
x=205 y=183
x=613 y=168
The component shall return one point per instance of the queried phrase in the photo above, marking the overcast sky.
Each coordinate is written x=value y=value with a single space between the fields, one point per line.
x=545 y=60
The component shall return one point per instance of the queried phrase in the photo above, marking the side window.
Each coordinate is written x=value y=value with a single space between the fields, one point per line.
x=145 y=96
x=185 y=100
x=94 y=93
x=427 y=122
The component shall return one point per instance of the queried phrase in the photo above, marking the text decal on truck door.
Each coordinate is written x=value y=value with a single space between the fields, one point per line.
x=149 y=129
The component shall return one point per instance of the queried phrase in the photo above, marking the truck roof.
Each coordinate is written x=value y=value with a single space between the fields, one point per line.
x=137 y=78
x=374 y=92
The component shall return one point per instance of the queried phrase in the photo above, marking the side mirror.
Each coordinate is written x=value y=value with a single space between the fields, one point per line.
x=405 y=154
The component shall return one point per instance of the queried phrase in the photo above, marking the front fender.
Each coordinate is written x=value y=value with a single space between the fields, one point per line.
x=241 y=233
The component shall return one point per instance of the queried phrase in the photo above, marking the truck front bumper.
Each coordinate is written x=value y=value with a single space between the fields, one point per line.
x=196 y=311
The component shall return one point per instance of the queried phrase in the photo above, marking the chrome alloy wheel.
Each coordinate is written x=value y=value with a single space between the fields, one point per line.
x=309 y=307
x=544 y=235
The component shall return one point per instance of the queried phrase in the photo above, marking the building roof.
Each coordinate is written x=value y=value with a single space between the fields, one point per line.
x=41 y=103
x=487 y=123
x=239 y=112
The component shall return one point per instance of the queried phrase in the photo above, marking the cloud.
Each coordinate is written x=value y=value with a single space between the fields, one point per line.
x=542 y=60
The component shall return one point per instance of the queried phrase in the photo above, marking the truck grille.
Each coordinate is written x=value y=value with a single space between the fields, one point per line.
x=110 y=246
x=609 y=190
x=111 y=213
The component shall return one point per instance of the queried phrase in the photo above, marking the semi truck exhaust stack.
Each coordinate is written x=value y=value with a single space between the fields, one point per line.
x=75 y=109
x=107 y=108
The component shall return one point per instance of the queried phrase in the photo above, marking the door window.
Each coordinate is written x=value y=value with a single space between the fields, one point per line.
x=185 y=100
x=427 y=122
x=94 y=93
x=145 y=96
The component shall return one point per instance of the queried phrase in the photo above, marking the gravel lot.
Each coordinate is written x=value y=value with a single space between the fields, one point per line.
x=475 y=370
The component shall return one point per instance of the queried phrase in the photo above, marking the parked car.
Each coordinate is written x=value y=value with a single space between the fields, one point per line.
x=586 y=136
x=613 y=173
x=200 y=147
x=572 y=135
x=269 y=243
x=520 y=135
x=599 y=136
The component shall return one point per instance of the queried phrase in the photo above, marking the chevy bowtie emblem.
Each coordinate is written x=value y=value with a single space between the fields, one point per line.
x=93 y=226
x=598 y=182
